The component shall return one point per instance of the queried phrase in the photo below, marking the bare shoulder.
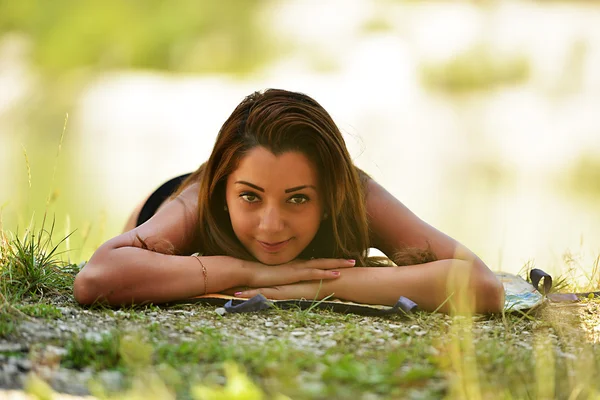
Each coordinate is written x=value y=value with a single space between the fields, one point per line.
x=171 y=230
x=394 y=227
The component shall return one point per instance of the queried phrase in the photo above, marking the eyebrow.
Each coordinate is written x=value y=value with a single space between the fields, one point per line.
x=290 y=190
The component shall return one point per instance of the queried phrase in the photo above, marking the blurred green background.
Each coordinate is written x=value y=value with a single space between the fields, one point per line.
x=463 y=110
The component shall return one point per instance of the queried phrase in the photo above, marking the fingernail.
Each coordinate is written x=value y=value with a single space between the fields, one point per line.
x=351 y=262
x=237 y=294
x=335 y=273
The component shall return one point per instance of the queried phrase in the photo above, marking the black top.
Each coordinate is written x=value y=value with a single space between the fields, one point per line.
x=158 y=197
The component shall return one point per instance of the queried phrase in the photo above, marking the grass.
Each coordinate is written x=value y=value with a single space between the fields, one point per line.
x=190 y=352
x=552 y=354
x=97 y=354
x=31 y=266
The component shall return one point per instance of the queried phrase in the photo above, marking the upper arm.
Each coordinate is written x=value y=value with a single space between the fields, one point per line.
x=394 y=227
x=171 y=230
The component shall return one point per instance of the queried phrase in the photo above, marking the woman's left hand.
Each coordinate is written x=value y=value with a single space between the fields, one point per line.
x=311 y=290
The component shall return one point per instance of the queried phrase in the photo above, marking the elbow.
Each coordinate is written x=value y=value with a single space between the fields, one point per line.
x=86 y=288
x=489 y=294
x=481 y=293
x=82 y=288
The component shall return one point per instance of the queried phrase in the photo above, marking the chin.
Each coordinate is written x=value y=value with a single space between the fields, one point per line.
x=275 y=259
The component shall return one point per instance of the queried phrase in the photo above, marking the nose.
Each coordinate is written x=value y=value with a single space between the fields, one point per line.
x=271 y=220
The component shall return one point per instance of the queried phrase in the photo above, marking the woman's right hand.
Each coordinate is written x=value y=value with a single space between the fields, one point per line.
x=261 y=275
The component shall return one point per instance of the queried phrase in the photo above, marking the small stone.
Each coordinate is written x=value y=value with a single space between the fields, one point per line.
x=188 y=329
x=111 y=380
x=298 y=333
x=566 y=355
x=394 y=326
x=59 y=351
x=23 y=364
x=122 y=313
x=12 y=347
x=269 y=324
x=10 y=368
x=93 y=337
x=221 y=311
x=66 y=311
x=324 y=333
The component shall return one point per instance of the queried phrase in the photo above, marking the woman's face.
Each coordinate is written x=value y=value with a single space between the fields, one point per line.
x=274 y=204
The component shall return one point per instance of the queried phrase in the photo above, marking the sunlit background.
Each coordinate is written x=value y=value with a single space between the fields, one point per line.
x=482 y=117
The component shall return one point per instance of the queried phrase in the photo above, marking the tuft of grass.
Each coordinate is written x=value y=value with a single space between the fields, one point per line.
x=98 y=354
x=8 y=324
x=30 y=267
x=46 y=311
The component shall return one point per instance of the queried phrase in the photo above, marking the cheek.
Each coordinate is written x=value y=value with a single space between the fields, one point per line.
x=241 y=222
x=310 y=220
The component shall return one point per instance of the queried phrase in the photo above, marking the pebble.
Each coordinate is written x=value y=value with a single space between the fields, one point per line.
x=93 y=337
x=324 y=333
x=111 y=380
x=12 y=347
x=23 y=364
x=67 y=311
x=221 y=311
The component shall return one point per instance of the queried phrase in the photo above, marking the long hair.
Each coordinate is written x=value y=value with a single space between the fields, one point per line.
x=282 y=121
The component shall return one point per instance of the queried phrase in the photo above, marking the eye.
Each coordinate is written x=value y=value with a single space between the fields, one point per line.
x=249 y=197
x=299 y=199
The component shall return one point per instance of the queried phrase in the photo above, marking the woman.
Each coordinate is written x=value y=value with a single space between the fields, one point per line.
x=280 y=209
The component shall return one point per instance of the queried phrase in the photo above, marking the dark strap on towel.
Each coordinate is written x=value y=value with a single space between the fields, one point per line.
x=536 y=275
x=260 y=302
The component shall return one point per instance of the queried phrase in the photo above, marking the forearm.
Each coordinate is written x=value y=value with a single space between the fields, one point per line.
x=437 y=285
x=130 y=275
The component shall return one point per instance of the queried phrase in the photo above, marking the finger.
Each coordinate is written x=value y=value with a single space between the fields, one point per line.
x=329 y=263
x=318 y=274
x=234 y=290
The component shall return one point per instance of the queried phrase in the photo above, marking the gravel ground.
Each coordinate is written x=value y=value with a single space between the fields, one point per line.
x=38 y=344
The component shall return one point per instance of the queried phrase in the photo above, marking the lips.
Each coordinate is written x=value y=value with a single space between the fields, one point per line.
x=273 y=247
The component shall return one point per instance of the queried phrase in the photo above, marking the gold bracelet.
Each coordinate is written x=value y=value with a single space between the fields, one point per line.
x=203 y=273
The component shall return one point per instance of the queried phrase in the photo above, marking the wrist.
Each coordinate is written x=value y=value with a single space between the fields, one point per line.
x=328 y=287
x=335 y=286
x=243 y=271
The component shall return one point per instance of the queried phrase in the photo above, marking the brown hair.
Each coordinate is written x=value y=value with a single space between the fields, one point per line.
x=282 y=121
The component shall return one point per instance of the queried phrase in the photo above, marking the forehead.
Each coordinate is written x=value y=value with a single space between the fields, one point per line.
x=263 y=168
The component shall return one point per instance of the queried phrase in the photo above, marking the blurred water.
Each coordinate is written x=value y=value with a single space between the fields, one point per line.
x=488 y=168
